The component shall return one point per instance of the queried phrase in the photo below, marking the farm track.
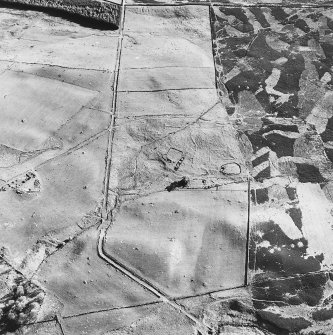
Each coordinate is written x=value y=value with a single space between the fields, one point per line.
x=110 y=130
x=204 y=329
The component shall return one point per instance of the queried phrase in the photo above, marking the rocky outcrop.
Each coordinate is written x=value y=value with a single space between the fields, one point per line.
x=283 y=320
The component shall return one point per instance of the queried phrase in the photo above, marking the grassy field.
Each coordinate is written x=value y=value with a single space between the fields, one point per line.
x=195 y=244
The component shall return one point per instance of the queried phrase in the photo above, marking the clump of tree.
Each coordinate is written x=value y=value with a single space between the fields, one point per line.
x=21 y=305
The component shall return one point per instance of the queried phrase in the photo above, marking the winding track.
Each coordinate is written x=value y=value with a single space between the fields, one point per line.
x=202 y=328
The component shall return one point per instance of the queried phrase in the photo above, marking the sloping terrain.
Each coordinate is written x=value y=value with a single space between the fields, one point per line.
x=196 y=245
x=166 y=167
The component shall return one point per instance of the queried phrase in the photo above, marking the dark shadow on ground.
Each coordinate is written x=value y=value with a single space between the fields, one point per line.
x=84 y=21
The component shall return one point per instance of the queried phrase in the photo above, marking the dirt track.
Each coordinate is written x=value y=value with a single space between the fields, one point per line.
x=200 y=134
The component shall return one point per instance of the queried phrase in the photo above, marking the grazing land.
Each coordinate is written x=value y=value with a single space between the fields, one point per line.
x=166 y=167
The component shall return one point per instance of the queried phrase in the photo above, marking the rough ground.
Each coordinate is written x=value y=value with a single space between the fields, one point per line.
x=105 y=13
x=167 y=170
